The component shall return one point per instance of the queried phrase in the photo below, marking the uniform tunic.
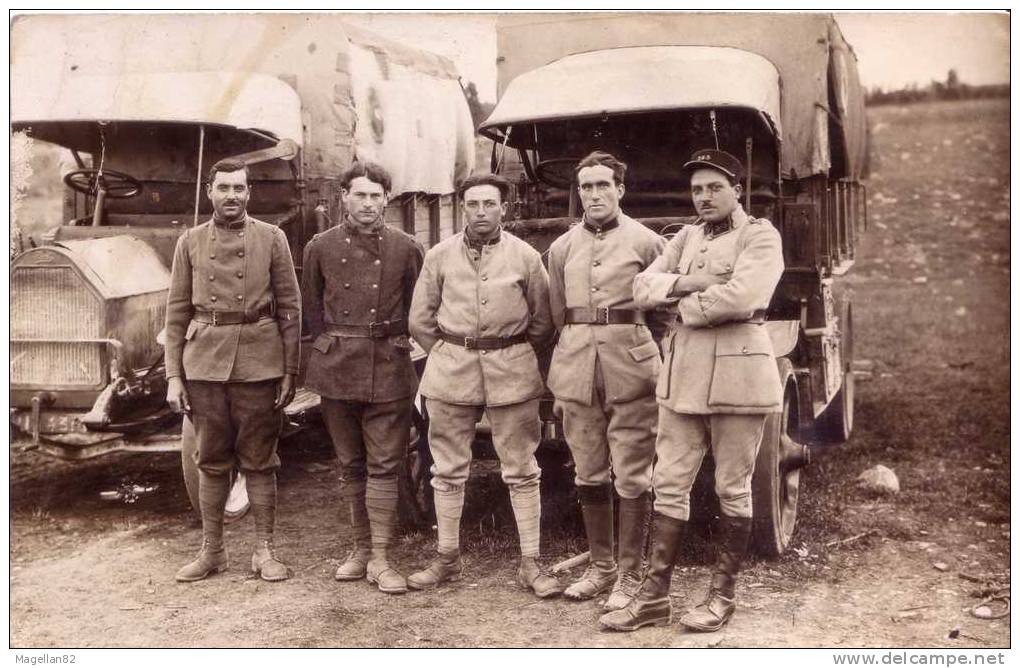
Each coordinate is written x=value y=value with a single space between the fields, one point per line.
x=355 y=278
x=603 y=376
x=720 y=377
x=501 y=293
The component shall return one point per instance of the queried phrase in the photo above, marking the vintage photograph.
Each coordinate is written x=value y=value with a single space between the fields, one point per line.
x=510 y=330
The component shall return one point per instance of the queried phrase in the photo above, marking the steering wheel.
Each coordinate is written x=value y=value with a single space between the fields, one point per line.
x=117 y=185
x=557 y=172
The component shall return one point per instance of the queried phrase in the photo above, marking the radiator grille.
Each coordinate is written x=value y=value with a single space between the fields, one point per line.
x=54 y=303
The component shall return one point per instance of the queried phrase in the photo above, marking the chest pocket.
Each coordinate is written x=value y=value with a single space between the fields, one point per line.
x=720 y=266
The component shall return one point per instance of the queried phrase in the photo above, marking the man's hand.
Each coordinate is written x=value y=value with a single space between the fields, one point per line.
x=687 y=284
x=285 y=391
x=177 y=396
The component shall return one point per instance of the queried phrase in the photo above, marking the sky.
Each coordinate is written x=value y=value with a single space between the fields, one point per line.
x=893 y=49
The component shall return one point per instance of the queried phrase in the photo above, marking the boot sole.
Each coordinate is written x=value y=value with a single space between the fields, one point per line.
x=635 y=627
x=585 y=597
x=348 y=578
x=702 y=629
x=212 y=571
x=426 y=587
x=387 y=590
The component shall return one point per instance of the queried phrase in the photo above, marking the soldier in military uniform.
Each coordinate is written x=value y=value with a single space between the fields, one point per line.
x=233 y=327
x=603 y=374
x=357 y=283
x=719 y=382
x=481 y=310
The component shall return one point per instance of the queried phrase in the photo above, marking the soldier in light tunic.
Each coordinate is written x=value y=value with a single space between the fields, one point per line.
x=719 y=382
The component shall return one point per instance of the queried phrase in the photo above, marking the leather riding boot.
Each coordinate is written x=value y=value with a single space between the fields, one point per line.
x=353 y=494
x=530 y=576
x=650 y=605
x=717 y=608
x=446 y=567
x=213 y=491
x=381 y=505
x=631 y=550
x=262 y=493
x=597 y=511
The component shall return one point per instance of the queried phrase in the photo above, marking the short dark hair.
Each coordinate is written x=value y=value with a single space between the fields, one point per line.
x=372 y=171
x=228 y=165
x=494 y=180
x=603 y=159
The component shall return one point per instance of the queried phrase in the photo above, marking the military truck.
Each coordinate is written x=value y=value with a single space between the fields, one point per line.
x=144 y=105
x=781 y=92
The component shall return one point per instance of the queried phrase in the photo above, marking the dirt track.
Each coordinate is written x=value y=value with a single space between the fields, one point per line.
x=933 y=404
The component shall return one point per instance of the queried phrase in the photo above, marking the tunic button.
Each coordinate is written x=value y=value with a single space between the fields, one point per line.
x=213 y=256
x=372 y=311
x=240 y=234
x=239 y=297
x=594 y=289
x=347 y=286
x=211 y=277
x=346 y=312
x=343 y=260
x=596 y=263
x=485 y=278
x=704 y=249
x=727 y=266
x=701 y=263
x=240 y=274
x=484 y=351
x=744 y=350
x=485 y=301
x=213 y=298
x=348 y=240
x=378 y=262
x=375 y=286
x=240 y=253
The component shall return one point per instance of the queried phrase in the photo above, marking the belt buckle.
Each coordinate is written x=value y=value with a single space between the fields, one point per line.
x=214 y=319
x=470 y=342
x=601 y=315
x=372 y=329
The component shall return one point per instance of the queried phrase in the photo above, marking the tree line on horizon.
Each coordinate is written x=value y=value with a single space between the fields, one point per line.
x=950 y=89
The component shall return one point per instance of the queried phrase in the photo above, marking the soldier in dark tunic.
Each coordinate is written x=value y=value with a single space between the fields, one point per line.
x=357 y=283
x=233 y=327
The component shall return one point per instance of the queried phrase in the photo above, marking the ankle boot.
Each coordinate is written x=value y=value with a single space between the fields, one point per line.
x=213 y=491
x=446 y=567
x=210 y=559
x=262 y=493
x=530 y=576
x=381 y=505
x=353 y=568
x=597 y=510
x=631 y=550
x=717 y=608
x=650 y=605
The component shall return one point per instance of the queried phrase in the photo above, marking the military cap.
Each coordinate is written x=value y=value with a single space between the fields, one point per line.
x=716 y=159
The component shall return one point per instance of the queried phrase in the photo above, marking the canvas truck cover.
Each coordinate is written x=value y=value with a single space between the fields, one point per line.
x=360 y=94
x=808 y=50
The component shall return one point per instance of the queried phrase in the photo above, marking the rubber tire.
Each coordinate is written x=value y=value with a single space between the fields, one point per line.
x=189 y=470
x=835 y=425
x=774 y=492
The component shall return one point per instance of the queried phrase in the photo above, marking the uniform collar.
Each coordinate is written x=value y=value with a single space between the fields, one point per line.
x=232 y=224
x=478 y=244
x=354 y=228
x=734 y=221
x=613 y=223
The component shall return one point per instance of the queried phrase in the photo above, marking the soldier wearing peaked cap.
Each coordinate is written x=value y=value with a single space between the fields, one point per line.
x=233 y=327
x=357 y=281
x=718 y=383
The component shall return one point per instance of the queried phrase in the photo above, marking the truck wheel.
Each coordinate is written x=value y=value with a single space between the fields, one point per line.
x=417 y=511
x=776 y=482
x=237 y=502
x=834 y=425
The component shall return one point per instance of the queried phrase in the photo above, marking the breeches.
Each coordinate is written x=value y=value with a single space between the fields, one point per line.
x=681 y=445
x=236 y=425
x=370 y=439
x=608 y=439
x=515 y=434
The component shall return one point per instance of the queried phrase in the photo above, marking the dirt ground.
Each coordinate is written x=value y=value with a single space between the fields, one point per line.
x=931 y=296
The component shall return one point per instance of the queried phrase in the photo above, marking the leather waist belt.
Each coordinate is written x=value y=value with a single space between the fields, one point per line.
x=218 y=318
x=373 y=330
x=604 y=316
x=484 y=342
x=758 y=317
